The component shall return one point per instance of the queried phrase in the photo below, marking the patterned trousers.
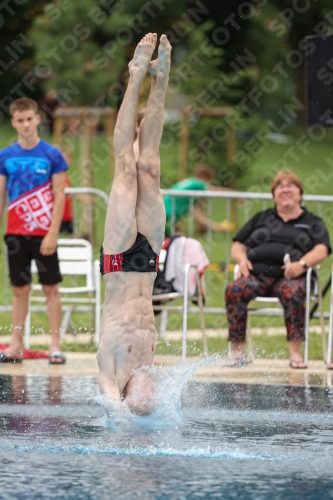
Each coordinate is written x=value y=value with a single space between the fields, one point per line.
x=291 y=294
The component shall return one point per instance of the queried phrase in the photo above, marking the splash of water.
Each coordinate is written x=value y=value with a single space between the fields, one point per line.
x=165 y=399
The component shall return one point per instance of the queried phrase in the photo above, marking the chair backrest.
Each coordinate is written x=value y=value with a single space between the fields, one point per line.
x=75 y=258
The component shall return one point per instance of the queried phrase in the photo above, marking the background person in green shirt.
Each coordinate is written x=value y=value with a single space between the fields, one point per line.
x=201 y=180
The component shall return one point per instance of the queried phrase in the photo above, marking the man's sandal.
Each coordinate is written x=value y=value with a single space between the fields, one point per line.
x=57 y=354
x=5 y=359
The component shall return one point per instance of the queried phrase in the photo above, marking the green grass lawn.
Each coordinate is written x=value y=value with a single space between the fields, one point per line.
x=313 y=162
x=264 y=346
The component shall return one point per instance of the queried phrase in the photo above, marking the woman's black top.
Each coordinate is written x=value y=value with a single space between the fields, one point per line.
x=268 y=238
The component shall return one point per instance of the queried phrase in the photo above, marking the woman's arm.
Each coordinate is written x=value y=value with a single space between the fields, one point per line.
x=239 y=255
x=310 y=259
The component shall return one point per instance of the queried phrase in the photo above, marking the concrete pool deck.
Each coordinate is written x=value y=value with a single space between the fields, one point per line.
x=260 y=371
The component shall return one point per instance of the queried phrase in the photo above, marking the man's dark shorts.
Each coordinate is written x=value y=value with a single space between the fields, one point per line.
x=21 y=251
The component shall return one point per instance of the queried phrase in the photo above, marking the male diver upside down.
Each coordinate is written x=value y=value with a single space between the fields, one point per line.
x=134 y=232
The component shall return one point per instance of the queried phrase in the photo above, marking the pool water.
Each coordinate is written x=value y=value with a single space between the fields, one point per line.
x=230 y=441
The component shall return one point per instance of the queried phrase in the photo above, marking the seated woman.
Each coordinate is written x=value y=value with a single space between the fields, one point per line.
x=259 y=248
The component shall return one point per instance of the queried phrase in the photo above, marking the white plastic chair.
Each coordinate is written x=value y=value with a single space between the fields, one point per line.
x=313 y=294
x=76 y=260
x=167 y=297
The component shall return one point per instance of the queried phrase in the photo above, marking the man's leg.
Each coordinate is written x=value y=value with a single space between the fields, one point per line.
x=19 y=259
x=53 y=302
x=19 y=313
x=150 y=213
x=120 y=225
x=49 y=278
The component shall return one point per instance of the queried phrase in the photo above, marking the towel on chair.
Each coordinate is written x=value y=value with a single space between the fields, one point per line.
x=174 y=270
x=184 y=251
x=196 y=255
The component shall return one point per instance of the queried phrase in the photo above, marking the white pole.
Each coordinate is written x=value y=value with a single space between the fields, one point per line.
x=330 y=327
x=307 y=314
x=185 y=311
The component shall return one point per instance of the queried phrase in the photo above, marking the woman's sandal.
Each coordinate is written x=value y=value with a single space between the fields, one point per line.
x=236 y=362
x=294 y=364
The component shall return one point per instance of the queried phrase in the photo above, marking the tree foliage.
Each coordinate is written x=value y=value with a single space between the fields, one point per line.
x=17 y=48
x=73 y=49
x=198 y=76
x=89 y=44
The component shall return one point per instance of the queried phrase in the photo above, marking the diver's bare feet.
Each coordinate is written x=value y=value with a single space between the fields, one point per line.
x=138 y=66
x=160 y=67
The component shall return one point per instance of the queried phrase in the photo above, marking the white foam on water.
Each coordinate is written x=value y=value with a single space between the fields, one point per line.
x=144 y=451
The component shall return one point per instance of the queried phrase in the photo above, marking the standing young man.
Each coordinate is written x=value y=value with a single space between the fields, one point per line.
x=33 y=174
x=134 y=232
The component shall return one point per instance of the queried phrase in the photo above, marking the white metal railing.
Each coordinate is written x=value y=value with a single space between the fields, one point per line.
x=88 y=190
x=237 y=195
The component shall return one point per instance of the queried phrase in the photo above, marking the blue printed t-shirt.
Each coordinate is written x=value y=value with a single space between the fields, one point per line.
x=29 y=185
x=182 y=205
